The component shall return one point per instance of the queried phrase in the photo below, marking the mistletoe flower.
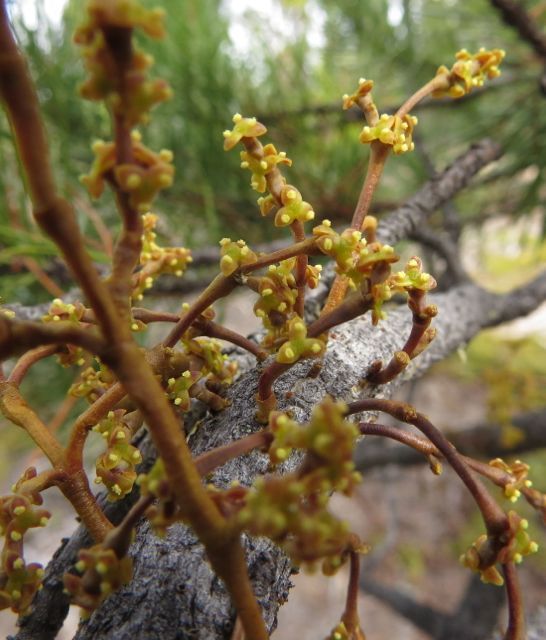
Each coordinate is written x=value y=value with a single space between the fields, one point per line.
x=342 y=633
x=294 y=208
x=262 y=167
x=364 y=88
x=234 y=255
x=392 y=130
x=412 y=277
x=298 y=344
x=469 y=71
x=166 y=511
x=178 y=389
x=141 y=180
x=244 y=128
x=518 y=470
x=518 y=544
x=19 y=513
x=101 y=573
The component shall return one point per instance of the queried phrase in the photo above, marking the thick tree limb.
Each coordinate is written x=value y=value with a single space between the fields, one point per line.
x=186 y=596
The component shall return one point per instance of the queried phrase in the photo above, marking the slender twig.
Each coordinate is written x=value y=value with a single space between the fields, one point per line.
x=26 y=361
x=18 y=335
x=516 y=614
x=494 y=517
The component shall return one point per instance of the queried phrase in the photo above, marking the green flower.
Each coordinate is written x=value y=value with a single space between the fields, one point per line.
x=244 y=128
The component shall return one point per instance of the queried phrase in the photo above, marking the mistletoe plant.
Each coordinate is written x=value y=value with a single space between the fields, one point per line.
x=127 y=386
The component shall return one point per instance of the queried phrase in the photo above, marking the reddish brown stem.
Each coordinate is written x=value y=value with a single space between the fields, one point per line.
x=220 y=287
x=494 y=517
x=87 y=420
x=516 y=615
x=26 y=361
x=354 y=306
x=350 y=616
x=301 y=268
x=211 y=460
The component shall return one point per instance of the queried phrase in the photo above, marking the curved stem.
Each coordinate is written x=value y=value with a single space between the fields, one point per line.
x=16 y=410
x=516 y=616
x=87 y=420
x=494 y=517
x=378 y=157
x=220 y=287
x=26 y=361
x=438 y=82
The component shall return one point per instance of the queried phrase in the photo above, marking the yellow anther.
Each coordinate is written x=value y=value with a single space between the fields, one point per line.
x=134 y=181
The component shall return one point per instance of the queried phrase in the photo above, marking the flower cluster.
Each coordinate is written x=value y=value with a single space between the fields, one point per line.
x=364 y=89
x=178 y=389
x=394 y=131
x=93 y=382
x=261 y=167
x=278 y=294
x=469 y=71
x=342 y=633
x=141 y=180
x=244 y=128
x=234 y=255
x=367 y=265
x=293 y=208
x=116 y=467
x=102 y=572
x=329 y=438
x=165 y=512
x=291 y=510
x=516 y=545
x=19 y=581
x=105 y=38
x=298 y=344
x=62 y=311
x=207 y=358
x=518 y=472
x=156 y=260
